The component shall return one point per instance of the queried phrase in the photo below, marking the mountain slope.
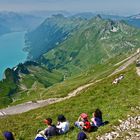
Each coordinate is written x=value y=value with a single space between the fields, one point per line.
x=22 y=81
x=134 y=20
x=115 y=101
x=50 y=34
x=95 y=43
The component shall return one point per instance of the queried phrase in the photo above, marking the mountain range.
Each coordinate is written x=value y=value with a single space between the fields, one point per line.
x=63 y=48
x=13 y=22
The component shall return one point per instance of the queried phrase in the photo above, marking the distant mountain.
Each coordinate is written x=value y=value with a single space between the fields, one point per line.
x=134 y=20
x=50 y=33
x=86 y=15
x=90 y=15
x=46 y=13
x=64 y=42
x=11 y=22
x=94 y=43
x=135 y=16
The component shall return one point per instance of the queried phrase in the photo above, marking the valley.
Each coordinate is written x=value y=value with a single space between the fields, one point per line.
x=70 y=67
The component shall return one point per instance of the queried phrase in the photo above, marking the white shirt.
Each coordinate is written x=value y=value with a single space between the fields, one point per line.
x=64 y=126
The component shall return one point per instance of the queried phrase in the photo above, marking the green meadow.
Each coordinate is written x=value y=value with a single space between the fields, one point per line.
x=115 y=101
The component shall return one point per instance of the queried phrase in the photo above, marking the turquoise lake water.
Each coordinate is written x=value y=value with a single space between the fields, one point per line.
x=11 y=50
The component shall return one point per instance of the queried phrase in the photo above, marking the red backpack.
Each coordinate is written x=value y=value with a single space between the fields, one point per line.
x=87 y=125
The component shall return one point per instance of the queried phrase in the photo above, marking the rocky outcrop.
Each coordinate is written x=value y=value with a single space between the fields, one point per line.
x=13 y=74
x=127 y=130
x=10 y=75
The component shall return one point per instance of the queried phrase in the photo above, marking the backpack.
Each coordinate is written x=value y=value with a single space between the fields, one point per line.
x=87 y=126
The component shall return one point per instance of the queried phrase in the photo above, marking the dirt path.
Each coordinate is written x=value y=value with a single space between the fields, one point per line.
x=33 y=105
x=126 y=64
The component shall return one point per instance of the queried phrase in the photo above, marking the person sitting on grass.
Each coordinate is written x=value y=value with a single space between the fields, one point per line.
x=62 y=125
x=40 y=135
x=81 y=136
x=83 y=122
x=50 y=131
x=8 y=135
x=97 y=120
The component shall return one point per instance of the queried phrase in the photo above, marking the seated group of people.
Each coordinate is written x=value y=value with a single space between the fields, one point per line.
x=118 y=79
x=52 y=130
x=63 y=126
x=96 y=121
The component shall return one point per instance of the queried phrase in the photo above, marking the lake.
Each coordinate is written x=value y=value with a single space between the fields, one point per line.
x=11 y=50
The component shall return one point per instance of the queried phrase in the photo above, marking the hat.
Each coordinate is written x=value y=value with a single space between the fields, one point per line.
x=81 y=136
x=48 y=121
x=8 y=135
x=61 y=118
x=84 y=115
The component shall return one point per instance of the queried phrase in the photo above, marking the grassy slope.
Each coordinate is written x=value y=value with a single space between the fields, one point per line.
x=114 y=101
x=87 y=47
x=37 y=91
x=6 y=88
x=35 y=83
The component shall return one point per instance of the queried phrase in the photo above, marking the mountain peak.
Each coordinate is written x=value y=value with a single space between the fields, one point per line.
x=135 y=16
x=98 y=17
x=58 y=16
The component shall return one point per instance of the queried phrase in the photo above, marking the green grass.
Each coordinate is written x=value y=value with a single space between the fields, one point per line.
x=114 y=100
x=63 y=88
x=38 y=92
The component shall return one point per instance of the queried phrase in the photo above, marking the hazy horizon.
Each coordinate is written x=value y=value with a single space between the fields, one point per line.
x=120 y=7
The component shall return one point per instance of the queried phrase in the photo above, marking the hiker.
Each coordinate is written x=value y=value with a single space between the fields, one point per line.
x=121 y=77
x=81 y=136
x=96 y=120
x=8 y=135
x=83 y=122
x=62 y=125
x=40 y=135
x=50 y=131
x=116 y=81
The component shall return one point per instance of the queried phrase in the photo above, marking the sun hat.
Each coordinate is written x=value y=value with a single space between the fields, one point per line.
x=84 y=115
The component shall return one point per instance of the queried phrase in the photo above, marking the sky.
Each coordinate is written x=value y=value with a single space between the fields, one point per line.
x=120 y=7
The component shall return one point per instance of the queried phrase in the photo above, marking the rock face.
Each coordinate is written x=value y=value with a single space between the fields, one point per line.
x=10 y=75
x=127 y=130
x=13 y=74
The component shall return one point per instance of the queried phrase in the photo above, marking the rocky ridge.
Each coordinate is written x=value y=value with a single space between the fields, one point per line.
x=127 y=130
